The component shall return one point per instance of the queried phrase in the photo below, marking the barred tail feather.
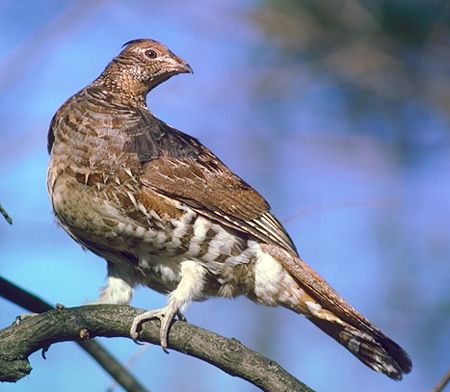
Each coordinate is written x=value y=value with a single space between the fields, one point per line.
x=336 y=317
x=376 y=351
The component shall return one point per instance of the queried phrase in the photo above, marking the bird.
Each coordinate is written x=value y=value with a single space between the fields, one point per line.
x=166 y=213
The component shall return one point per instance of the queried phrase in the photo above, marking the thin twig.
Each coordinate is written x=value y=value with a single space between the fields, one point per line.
x=442 y=383
x=5 y=215
x=34 y=304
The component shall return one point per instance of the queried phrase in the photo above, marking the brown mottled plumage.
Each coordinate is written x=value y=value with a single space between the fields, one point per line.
x=166 y=213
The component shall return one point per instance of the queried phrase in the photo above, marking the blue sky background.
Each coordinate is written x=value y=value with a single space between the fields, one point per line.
x=367 y=201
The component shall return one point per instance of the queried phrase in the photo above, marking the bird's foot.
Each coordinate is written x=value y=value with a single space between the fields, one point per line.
x=165 y=316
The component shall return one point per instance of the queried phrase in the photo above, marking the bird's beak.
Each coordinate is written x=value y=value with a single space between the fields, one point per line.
x=182 y=67
x=187 y=68
x=178 y=65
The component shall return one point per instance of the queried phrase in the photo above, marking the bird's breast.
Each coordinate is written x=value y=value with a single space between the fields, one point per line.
x=98 y=198
x=151 y=232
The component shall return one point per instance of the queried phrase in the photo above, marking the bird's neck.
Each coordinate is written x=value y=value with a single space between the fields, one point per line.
x=122 y=88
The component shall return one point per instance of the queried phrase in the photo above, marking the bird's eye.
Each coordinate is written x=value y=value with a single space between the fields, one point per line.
x=151 y=54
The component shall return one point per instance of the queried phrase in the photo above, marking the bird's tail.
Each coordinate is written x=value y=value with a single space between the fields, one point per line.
x=324 y=307
x=369 y=345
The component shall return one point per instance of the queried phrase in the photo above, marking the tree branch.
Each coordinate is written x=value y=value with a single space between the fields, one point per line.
x=111 y=365
x=18 y=341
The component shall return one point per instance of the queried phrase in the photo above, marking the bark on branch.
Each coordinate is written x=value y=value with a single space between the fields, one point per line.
x=111 y=365
x=17 y=342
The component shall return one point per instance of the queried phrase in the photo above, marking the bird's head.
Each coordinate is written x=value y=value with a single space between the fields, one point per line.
x=142 y=65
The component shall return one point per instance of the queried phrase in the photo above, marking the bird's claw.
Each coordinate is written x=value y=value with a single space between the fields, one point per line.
x=181 y=317
x=165 y=316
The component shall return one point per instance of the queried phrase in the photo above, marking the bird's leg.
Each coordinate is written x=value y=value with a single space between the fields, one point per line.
x=189 y=288
x=117 y=291
x=119 y=288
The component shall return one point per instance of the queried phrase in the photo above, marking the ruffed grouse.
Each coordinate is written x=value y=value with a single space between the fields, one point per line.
x=166 y=213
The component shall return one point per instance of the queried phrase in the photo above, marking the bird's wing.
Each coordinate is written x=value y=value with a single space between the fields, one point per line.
x=179 y=166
